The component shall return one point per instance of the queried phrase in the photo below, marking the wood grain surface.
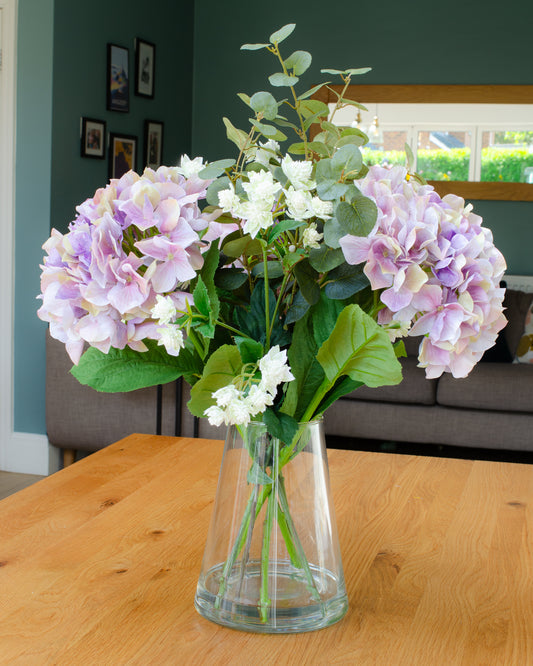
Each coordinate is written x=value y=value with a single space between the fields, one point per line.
x=99 y=563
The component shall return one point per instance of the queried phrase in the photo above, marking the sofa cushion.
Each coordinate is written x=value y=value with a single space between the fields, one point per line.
x=505 y=387
x=414 y=388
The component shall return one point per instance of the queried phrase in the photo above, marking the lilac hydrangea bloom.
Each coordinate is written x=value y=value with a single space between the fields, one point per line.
x=137 y=238
x=436 y=268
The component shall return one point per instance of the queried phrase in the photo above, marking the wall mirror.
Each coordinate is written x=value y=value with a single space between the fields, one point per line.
x=473 y=140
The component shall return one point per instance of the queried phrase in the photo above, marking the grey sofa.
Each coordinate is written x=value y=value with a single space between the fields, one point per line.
x=491 y=408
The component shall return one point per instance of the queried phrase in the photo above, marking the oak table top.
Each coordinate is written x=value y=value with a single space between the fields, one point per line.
x=99 y=563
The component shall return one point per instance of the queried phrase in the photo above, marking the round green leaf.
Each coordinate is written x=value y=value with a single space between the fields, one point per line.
x=279 y=79
x=264 y=103
x=216 y=169
x=282 y=33
x=299 y=62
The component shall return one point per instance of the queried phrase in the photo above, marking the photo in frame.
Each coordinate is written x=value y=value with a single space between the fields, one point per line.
x=93 y=139
x=122 y=154
x=153 y=144
x=118 y=82
x=144 y=68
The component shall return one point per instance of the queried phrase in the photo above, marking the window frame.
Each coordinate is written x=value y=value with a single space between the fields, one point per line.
x=447 y=94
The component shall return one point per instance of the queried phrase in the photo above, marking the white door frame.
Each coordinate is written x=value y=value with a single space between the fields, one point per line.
x=19 y=452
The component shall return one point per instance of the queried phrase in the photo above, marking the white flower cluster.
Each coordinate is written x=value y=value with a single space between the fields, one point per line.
x=170 y=335
x=265 y=196
x=236 y=406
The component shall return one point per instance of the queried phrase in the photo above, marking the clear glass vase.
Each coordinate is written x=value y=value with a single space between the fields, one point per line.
x=272 y=561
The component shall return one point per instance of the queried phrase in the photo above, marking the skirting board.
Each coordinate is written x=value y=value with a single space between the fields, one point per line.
x=26 y=453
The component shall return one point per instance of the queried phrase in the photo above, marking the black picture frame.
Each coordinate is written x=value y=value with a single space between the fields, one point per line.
x=153 y=143
x=118 y=78
x=122 y=154
x=93 y=138
x=144 y=68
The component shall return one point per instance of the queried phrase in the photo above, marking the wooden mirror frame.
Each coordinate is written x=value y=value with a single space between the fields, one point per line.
x=447 y=94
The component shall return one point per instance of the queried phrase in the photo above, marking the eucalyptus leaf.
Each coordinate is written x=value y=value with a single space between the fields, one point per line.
x=312 y=91
x=297 y=148
x=245 y=98
x=349 y=158
x=264 y=103
x=282 y=33
x=280 y=79
x=358 y=71
x=331 y=71
x=314 y=106
x=239 y=137
x=299 y=62
x=214 y=188
x=253 y=47
x=215 y=169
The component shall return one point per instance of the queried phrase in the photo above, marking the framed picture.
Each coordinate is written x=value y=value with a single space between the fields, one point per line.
x=153 y=143
x=118 y=81
x=122 y=154
x=144 y=68
x=93 y=138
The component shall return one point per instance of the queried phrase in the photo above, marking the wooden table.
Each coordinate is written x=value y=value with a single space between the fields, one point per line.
x=99 y=563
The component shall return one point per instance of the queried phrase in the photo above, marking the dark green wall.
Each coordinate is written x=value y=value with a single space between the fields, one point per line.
x=452 y=43
x=80 y=54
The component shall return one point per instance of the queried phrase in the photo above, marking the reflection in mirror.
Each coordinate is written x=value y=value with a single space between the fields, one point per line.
x=479 y=139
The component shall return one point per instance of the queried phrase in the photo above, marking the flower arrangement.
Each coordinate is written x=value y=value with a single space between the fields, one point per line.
x=274 y=282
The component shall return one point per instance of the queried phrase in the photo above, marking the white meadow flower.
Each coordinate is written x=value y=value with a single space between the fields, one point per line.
x=262 y=188
x=321 y=209
x=171 y=337
x=311 y=237
x=237 y=413
x=228 y=200
x=225 y=395
x=255 y=217
x=258 y=400
x=298 y=172
x=215 y=415
x=274 y=370
x=299 y=203
x=188 y=167
x=266 y=151
x=164 y=310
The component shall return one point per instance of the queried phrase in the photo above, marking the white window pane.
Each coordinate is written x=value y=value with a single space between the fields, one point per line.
x=444 y=155
x=507 y=156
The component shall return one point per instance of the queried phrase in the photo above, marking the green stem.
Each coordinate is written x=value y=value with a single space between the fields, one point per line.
x=267 y=303
x=278 y=301
x=264 y=599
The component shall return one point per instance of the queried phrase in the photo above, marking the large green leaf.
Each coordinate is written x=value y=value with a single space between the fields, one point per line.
x=308 y=374
x=246 y=245
x=279 y=425
x=324 y=258
x=221 y=368
x=328 y=178
x=361 y=349
x=342 y=387
x=122 y=370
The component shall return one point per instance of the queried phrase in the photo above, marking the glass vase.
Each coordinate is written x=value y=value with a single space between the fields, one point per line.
x=272 y=561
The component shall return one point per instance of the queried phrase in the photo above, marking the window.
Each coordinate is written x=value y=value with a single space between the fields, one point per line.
x=469 y=136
